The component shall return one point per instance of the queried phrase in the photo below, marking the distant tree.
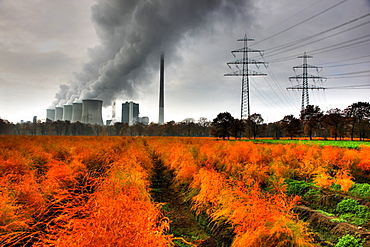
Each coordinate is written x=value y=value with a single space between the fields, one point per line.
x=221 y=125
x=188 y=125
x=67 y=126
x=274 y=129
x=204 y=125
x=58 y=127
x=334 y=121
x=238 y=127
x=154 y=129
x=358 y=115
x=4 y=126
x=170 y=128
x=118 y=128
x=76 y=128
x=254 y=122
x=311 y=118
x=139 y=128
x=291 y=126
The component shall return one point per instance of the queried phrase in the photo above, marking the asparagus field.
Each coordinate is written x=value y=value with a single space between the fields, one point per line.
x=171 y=191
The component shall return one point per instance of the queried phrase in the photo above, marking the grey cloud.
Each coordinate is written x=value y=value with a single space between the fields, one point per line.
x=132 y=35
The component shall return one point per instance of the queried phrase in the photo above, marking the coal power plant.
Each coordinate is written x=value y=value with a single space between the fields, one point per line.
x=76 y=112
x=50 y=114
x=89 y=111
x=92 y=111
x=58 y=113
x=67 y=112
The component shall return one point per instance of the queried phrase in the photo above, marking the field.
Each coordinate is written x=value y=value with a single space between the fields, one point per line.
x=163 y=191
x=343 y=144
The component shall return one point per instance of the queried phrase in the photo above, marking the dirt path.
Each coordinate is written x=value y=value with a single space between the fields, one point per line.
x=184 y=225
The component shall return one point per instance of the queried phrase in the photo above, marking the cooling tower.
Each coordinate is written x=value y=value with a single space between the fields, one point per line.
x=67 y=112
x=58 y=113
x=76 y=112
x=161 y=92
x=92 y=111
x=50 y=114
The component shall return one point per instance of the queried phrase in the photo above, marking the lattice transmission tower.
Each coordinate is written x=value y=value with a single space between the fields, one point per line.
x=305 y=77
x=245 y=72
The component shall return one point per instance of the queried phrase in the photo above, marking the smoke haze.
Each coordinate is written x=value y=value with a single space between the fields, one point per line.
x=132 y=34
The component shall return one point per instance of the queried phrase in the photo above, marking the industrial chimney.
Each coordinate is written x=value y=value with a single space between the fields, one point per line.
x=76 y=112
x=50 y=114
x=92 y=111
x=58 y=113
x=67 y=112
x=161 y=92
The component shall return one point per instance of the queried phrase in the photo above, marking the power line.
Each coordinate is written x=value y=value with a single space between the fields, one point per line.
x=350 y=73
x=323 y=32
x=291 y=47
x=347 y=64
x=289 y=18
x=346 y=60
x=325 y=49
x=310 y=18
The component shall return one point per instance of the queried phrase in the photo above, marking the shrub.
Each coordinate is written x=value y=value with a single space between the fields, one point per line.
x=360 y=190
x=296 y=187
x=350 y=241
x=347 y=206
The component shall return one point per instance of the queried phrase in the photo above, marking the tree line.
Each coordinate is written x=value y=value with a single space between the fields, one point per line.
x=352 y=122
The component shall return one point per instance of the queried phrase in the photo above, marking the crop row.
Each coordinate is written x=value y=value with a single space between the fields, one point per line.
x=245 y=185
x=80 y=191
x=95 y=191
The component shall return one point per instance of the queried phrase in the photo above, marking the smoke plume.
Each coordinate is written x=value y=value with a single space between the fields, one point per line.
x=132 y=34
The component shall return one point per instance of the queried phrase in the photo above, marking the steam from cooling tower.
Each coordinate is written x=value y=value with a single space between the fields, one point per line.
x=132 y=34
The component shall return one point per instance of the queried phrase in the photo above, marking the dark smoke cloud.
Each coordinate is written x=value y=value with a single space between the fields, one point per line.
x=132 y=35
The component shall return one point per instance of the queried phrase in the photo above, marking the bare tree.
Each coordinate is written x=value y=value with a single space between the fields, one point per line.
x=311 y=118
x=291 y=125
x=358 y=116
x=254 y=122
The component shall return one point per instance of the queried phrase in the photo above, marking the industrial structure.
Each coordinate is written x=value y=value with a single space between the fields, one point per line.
x=67 y=112
x=161 y=91
x=244 y=72
x=305 y=77
x=50 y=114
x=92 y=111
x=130 y=113
x=76 y=112
x=58 y=113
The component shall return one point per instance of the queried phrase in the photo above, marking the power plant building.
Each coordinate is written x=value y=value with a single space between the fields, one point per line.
x=67 y=112
x=92 y=111
x=58 y=113
x=50 y=114
x=76 y=112
x=130 y=113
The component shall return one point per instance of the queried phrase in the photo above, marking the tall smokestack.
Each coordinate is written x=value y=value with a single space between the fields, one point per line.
x=161 y=92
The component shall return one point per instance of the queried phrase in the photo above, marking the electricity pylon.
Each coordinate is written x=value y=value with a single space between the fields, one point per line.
x=305 y=77
x=244 y=72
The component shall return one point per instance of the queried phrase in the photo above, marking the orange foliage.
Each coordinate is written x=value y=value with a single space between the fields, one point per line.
x=94 y=191
x=81 y=191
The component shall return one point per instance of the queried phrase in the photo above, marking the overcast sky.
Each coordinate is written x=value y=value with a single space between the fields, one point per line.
x=57 y=52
